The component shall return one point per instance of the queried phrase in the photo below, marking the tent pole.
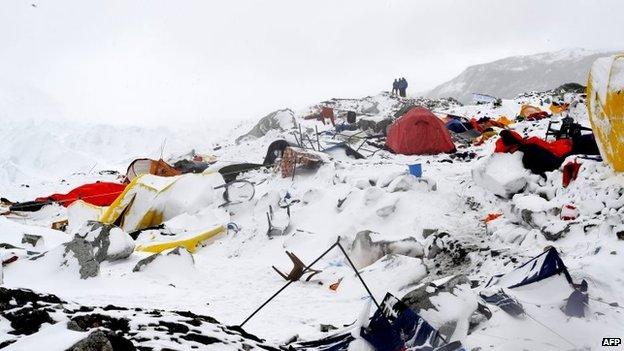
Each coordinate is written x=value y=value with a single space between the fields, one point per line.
x=358 y=274
x=287 y=284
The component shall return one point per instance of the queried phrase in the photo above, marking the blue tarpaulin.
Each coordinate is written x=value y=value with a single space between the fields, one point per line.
x=541 y=267
x=396 y=326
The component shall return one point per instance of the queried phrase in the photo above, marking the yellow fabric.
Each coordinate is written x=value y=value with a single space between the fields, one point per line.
x=527 y=110
x=554 y=109
x=150 y=200
x=504 y=121
x=190 y=243
x=606 y=113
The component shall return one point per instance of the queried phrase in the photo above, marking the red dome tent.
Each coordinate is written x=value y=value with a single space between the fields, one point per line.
x=419 y=132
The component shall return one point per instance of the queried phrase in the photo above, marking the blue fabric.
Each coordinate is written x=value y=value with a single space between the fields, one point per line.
x=540 y=267
x=505 y=302
x=457 y=126
x=396 y=326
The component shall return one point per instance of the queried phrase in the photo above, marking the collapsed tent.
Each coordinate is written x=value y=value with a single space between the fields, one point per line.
x=396 y=327
x=538 y=268
x=528 y=110
x=605 y=104
x=98 y=193
x=142 y=166
x=150 y=200
x=419 y=132
x=540 y=155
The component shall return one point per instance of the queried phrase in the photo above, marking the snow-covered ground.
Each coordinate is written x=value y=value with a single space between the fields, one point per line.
x=232 y=275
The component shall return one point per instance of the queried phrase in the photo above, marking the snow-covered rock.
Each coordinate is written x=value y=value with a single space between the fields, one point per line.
x=110 y=243
x=279 y=120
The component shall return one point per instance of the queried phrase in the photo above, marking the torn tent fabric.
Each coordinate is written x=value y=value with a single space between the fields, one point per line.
x=541 y=267
x=99 y=194
x=395 y=327
x=336 y=342
x=570 y=172
x=504 y=302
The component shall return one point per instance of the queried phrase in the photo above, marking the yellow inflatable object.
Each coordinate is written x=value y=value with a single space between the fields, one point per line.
x=605 y=105
x=190 y=243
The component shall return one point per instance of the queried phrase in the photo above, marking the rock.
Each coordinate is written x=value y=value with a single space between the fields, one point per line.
x=171 y=262
x=27 y=320
x=364 y=251
x=96 y=341
x=427 y=232
x=280 y=120
x=110 y=243
x=32 y=239
x=555 y=231
x=419 y=299
x=144 y=262
x=82 y=251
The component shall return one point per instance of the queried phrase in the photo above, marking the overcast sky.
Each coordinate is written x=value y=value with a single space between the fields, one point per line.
x=162 y=61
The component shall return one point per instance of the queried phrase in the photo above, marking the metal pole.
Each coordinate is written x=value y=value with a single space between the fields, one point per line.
x=358 y=274
x=286 y=285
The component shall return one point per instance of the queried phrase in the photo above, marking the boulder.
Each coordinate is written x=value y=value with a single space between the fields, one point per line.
x=96 y=341
x=365 y=251
x=110 y=243
x=279 y=120
x=81 y=251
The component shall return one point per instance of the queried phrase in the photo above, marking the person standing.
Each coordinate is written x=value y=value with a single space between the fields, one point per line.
x=395 y=87
x=402 y=87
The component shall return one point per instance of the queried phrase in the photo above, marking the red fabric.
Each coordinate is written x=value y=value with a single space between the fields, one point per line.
x=570 y=172
x=99 y=194
x=419 y=132
x=475 y=125
x=500 y=145
x=559 y=148
x=537 y=116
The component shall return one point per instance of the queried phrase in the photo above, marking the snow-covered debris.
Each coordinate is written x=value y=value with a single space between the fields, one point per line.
x=280 y=120
x=365 y=251
x=173 y=262
x=503 y=174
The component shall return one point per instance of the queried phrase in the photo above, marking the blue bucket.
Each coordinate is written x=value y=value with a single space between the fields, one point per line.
x=415 y=170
